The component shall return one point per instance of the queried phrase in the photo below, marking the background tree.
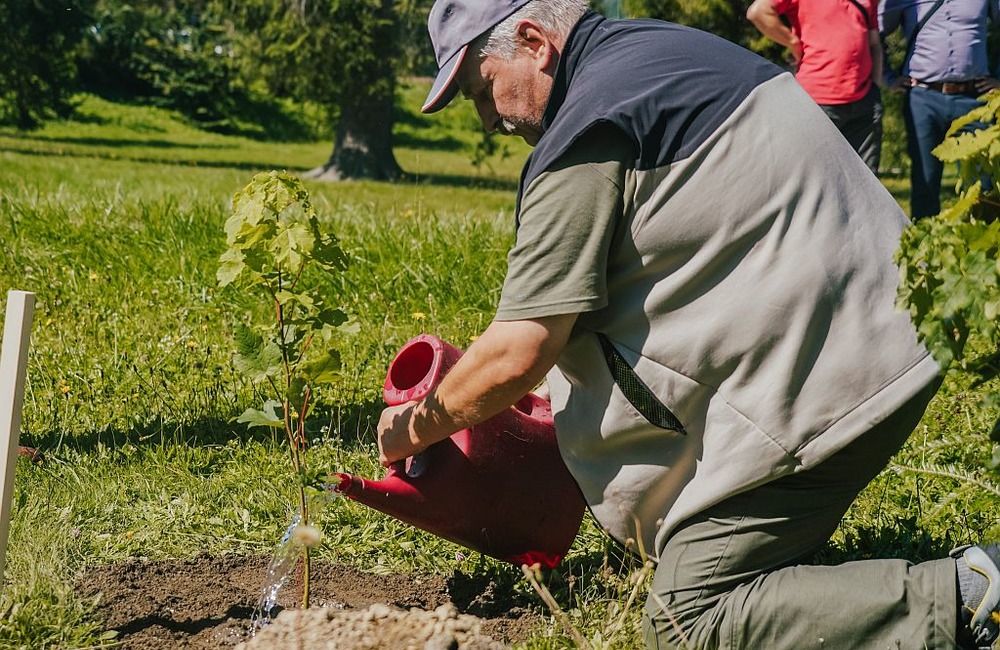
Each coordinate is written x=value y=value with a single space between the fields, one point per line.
x=180 y=54
x=725 y=18
x=174 y=54
x=37 y=58
x=343 y=55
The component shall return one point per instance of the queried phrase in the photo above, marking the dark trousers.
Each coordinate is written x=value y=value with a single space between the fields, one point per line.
x=928 y=114
x=861 y=124
x=736 y=577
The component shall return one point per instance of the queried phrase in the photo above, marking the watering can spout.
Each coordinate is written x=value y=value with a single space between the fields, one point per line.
x=499 y=488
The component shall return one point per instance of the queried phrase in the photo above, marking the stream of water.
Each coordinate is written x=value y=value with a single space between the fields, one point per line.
x=279 y=572
x=286 y=558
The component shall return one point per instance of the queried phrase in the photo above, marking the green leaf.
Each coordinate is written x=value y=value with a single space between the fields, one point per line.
x=291 y=245
x=966 y=145
x=323 y=369
x=296 y=394
x=327 y=251
x=250 y=236
x=350 y=327
x=333 y=317
x=256 y=357
x=262 y=418
x=306 y=302
x=285 y=296
x=230 y=267
x=964 y=205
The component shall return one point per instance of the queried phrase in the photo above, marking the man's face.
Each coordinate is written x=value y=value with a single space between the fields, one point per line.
x=510 y=96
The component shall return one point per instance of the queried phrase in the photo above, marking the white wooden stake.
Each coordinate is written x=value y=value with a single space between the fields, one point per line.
x=13 y=367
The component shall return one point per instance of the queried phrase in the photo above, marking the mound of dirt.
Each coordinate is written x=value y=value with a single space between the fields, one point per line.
x=208 y=602
x=375 y=628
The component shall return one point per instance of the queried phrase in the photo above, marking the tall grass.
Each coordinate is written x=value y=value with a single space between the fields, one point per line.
x=115 y=222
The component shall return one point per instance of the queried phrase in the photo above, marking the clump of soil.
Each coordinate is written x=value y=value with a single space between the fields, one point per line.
x=375 y=628
x=207 y=602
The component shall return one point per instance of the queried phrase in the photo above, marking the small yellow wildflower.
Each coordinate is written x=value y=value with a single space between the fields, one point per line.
x=192 y=344
x=93 y=275
x=418 y=315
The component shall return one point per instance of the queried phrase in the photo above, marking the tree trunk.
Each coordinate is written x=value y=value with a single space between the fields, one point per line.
x=362 y=145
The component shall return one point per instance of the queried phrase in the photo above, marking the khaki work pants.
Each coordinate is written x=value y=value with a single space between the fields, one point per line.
x=732 y=576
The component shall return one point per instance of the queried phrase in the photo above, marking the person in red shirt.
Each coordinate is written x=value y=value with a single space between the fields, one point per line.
x=836 y=52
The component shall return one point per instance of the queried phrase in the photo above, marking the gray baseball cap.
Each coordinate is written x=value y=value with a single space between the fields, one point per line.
x=453 y=24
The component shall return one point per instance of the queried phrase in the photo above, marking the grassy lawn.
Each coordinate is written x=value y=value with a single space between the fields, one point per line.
x=115 y=221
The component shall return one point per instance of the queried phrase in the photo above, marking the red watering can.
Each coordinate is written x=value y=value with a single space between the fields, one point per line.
x=499 y=488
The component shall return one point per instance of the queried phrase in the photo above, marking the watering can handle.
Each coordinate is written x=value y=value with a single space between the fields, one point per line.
x=416 y=465
x=412 y=467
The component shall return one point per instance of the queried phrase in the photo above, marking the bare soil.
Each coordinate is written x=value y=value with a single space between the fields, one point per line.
x=208 y=602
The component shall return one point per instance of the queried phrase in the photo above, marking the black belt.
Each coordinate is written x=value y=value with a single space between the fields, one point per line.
x=947 y=87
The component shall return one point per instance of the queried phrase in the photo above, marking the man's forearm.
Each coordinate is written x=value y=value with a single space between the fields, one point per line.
x=503 y=364
x=499 y=368
x=768 y=22
x=875 y=46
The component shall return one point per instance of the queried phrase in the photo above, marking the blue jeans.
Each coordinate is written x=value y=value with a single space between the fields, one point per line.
x=928 y=114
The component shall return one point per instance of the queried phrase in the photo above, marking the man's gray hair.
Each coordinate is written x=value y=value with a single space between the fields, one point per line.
x=555 y=16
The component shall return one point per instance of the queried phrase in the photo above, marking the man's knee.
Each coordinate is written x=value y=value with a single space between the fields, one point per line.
x=657 y=635
x=664 y=629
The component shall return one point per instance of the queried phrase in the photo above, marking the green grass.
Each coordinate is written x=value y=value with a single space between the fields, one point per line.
x=115 y=222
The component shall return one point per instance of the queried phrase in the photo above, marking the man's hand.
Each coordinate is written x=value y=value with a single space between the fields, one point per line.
x=794 y=56
x=499 y=368
x=900 y=85
x=394 y=442
x=986 y=84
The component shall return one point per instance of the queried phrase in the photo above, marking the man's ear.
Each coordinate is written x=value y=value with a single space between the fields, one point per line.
x=538 y=45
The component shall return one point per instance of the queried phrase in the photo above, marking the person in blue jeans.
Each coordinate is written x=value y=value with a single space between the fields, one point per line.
x=945 y=71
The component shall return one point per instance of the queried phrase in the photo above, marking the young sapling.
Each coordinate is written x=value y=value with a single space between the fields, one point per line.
x=277 y=251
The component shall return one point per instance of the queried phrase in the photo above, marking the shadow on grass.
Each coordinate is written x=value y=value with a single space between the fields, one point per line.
x=101 y=120
x=120 y=142
x=249 y=116
x=351 y=430
x=490 y=591
x=903 y=539
x=416 y=132
x=414 y=141
x=444 y=180
x=154 y=160
x=458 y=180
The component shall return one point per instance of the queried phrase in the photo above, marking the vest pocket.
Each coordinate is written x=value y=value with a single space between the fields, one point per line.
x=636 y=391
